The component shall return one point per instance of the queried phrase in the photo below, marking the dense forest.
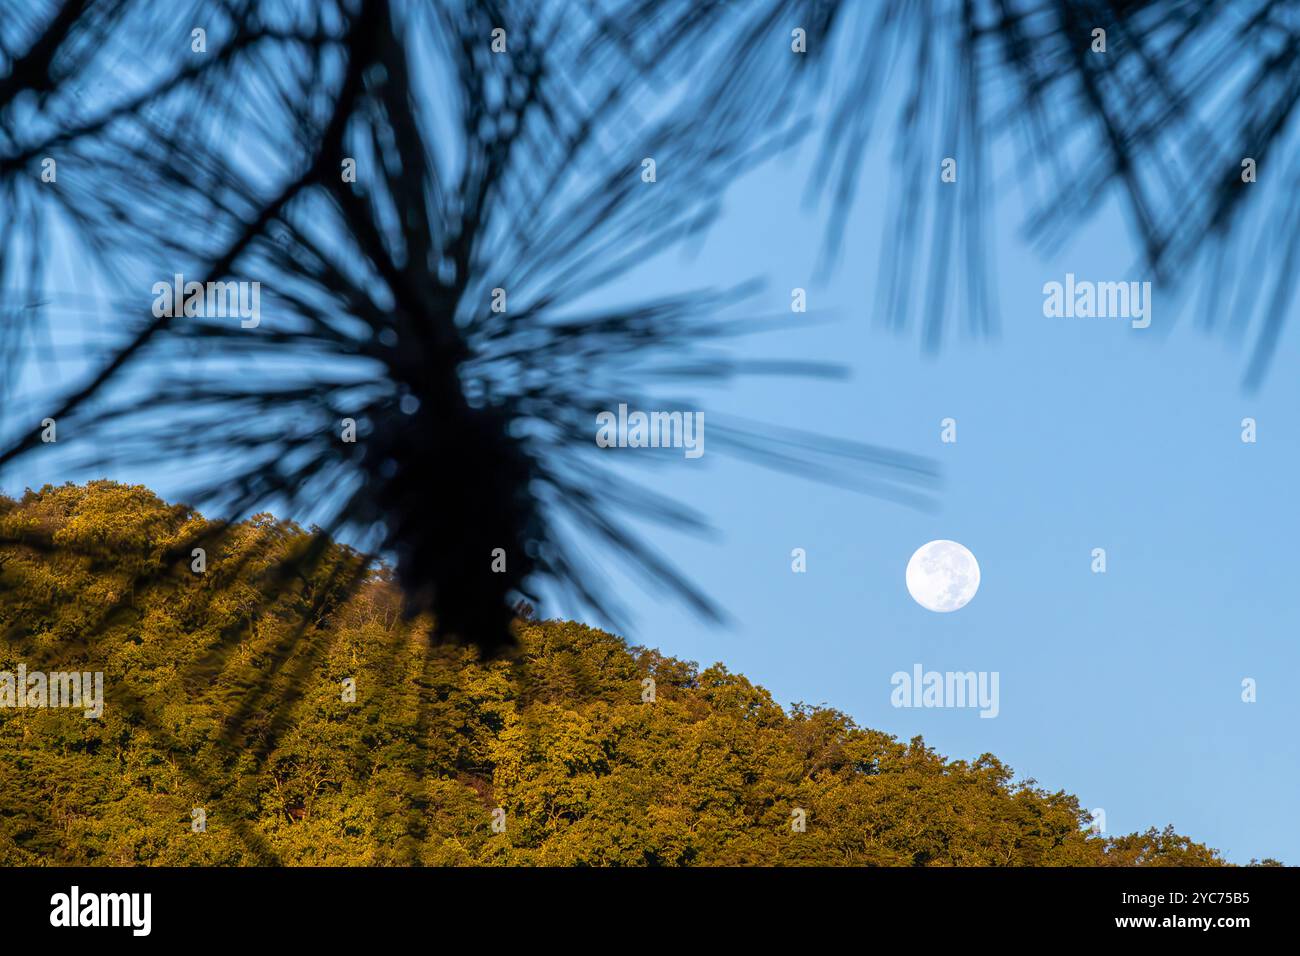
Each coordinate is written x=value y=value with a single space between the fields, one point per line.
x=254 y=714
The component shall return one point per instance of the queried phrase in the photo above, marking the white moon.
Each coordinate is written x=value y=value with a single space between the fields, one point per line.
x=943 y=576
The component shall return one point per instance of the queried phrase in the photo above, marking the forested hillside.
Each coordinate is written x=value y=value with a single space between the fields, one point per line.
x=226 y=691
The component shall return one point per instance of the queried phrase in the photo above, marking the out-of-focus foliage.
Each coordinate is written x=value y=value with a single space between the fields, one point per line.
x=383 y=174
x=225 y=691
x=1158 y=116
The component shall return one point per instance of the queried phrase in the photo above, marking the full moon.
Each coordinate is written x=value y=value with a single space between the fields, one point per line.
x=943 y=576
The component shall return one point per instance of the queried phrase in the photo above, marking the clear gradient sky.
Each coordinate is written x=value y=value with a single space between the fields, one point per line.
x=1123 y=688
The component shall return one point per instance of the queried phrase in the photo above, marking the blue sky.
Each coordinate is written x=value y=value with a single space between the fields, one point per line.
x=1123 y=688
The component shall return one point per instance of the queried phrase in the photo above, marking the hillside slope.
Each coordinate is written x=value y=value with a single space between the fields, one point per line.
x=225 y=692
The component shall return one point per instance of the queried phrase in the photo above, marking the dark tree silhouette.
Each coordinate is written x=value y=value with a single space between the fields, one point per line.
x=1161 y=122
x=516 y=169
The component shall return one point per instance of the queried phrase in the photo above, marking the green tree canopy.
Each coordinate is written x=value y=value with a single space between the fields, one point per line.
x=226 y=691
